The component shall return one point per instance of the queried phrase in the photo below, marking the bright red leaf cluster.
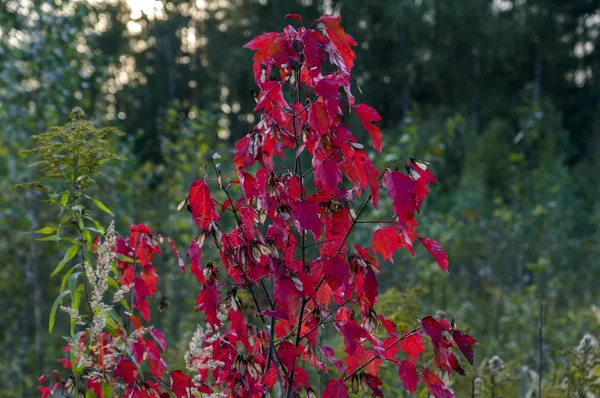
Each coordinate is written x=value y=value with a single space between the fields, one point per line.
x=296 y=281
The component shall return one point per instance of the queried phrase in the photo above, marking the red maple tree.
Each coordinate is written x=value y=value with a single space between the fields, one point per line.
x=301 y=170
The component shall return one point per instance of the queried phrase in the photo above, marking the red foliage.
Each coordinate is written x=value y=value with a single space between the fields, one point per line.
x=303 y=110
x=297 y=284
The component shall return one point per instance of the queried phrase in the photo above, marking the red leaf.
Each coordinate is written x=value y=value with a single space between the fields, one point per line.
x=370 y=287
x=155 y=362
x=327 y=176
x=400 y=187
x=270 y=94
x=367 y=116
x=307 y=214
x=45 y=391
x=319 y=118
x=135 y=321
x=202 y=206
x=313 y=42
x=208 y=301
x=464 y=343
x=176 y=253
x=261 y=41
x=412 y=345
x=241 y=152
x=181 y=384
x=66 y=363
x=436 y=251
x=159 y=336
x=421 y=177
x=277 y=314
x=341 y=54
x=352 y=333
x=409 y=376
x=330 y=355
x=270 y=377
x=328 y=86
x=335 y=389
x=287 y=294
x=195 y=255
x=433 y=329
x=385 y=242
x=126 y=371
x=435 y=386
x=288 y=353
x=294 y=16
x=335 y=270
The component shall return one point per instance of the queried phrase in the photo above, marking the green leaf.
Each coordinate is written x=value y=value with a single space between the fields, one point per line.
x=123 y=257
x=54 y=238
x=66 y=278
x=95 y=230
x=101 y=205
x=72 y=281
x=69 y=254
x=64 y=199
x=46 y=230
x=53 y=310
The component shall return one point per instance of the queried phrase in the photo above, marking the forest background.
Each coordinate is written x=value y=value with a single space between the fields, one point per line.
x=501 y=97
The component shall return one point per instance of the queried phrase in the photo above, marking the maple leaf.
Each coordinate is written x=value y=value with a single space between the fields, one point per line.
x=330 y=355
x=412 y=345
x=46 y=392
x=242 y=156
x=319 y=117
x=435 y=386
x=313 y=42
x=328 y=86
x=465 y=343
x=195 y=255
x=288 y=353
x=155 y=362
x=408 y=374
x=307 y=213
x=335 y=270
x=270 y=94
x=176 y=253
x=277 y=314
x=181 y=384
x=335 y=389
x=261 y=41
x=367 y=116
x=386 y=241
x=435 y=249
x=341 y=54
x=287 y=294
x=421 y=177
x=208 y=301
x=270 y=377
x=126 y=371
x=400 y=187
x=352 y=333
x=433 y=329
x=327 y=176
x=159 y=336
x=202 y=206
